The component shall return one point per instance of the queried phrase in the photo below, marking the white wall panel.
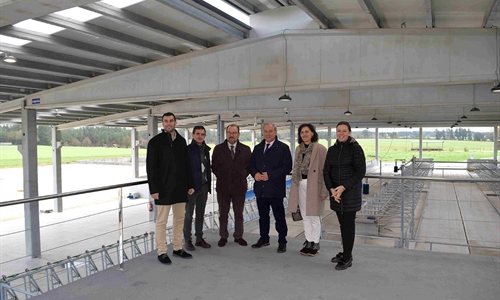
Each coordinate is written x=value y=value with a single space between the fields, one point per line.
x=176 y=77
x=234 y=68
x=267 y=63
x=340 y=59
x=303 y=58
x=204 y=73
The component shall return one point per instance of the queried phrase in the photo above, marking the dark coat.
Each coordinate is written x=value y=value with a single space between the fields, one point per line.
x=277 y=162
x=345 y=165
x=168 y=169
x=195 y=158
x=231 y=174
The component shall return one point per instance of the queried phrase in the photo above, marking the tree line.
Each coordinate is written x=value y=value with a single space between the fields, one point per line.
x=120 y=137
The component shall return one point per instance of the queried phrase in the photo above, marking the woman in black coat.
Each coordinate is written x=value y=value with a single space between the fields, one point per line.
x=345 y=167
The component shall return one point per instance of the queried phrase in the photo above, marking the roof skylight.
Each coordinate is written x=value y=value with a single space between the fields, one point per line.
x=228 y=9
x=79 y=14
x=38 y=26
x=13 y=41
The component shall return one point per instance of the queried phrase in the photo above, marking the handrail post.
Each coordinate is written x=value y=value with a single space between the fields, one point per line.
x=120 y=231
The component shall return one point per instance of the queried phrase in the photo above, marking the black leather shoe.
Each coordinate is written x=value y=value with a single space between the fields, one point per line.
x=164 y=259
x=182 y=253
x=343 y=264
x=339 y=256
x=260 y=243
x=281 y=248
x=222 y=242
x=241 y=241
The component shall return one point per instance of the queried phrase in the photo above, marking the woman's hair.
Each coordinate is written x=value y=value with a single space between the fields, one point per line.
x=344 y=123
x=313 y=130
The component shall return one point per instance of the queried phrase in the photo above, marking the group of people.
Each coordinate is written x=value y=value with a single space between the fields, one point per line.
x=179 y=178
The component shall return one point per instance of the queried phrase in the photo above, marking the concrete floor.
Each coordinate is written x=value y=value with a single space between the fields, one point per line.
x=235 y=272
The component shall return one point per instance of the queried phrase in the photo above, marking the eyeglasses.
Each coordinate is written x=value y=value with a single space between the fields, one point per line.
x=231 y=133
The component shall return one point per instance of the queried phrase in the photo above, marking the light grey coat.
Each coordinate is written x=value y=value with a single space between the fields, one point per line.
x=315 y=184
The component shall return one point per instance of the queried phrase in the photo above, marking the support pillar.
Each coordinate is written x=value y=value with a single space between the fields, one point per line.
x=134 y=144
x=152 y=131
x=29 y=152
x=220 y=130
x=420 y=143
x=376 y=145
x=329 y=136
x=253 y=139
x=186 y=135
x=292 y=140
x=495 y=142
x=56 y=168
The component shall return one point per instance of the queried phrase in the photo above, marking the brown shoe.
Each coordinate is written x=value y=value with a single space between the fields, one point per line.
x=222 y=242
x=241 y=241
x=201 y=243
x=189 y=246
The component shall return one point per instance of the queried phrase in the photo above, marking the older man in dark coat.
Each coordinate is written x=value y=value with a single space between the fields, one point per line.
x=230 y=163
x=270 y=163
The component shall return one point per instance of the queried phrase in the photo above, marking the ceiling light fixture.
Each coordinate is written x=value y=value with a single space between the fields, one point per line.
x=9 y=59
x=496 y=84
x=236 y=115
x=235 y=107
x=474 y=99
x=289 y=121
x=285 y=97
x=348 y=112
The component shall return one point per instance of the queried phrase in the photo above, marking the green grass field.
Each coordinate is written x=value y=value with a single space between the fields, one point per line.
x=389 y=150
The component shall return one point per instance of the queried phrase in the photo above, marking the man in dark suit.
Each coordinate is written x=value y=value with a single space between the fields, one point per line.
x=230 y=163
x=170 y=182
x=271 y=161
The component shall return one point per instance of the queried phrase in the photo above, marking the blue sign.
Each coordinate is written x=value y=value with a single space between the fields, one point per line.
x=35 y=101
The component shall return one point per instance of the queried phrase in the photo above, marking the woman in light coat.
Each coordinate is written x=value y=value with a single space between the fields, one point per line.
x=308 y=190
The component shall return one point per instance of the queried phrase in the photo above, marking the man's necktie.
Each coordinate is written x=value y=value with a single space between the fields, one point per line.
x=232 y=152
x=267 y=147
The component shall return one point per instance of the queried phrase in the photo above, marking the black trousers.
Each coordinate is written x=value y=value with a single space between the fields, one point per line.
x=347 y=231
x=264 y=205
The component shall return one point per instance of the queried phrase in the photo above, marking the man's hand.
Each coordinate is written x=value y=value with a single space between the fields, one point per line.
x=155 y=196
x=190 y=192
x=264 y=176
x=258 y=176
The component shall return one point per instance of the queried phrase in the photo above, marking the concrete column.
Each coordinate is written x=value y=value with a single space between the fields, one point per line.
x=220 y=131
x=293 y=140
x=152 y=131
x=253 y=139
x=56 y=168
x=29 y=152
x=186 y=135
x=329 y=136
x=495 y=142
x=376 y=145
x=134 y=144
x=420 y=142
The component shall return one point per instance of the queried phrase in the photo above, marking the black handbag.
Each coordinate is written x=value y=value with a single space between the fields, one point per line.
x=296 y=216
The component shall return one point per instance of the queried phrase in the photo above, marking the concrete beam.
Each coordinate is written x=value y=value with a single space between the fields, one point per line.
x=103 y=119
x=429 y=15
x=493 y=14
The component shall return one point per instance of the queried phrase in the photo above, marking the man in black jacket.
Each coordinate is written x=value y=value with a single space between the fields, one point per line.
x=199 y=155
x=170 y=182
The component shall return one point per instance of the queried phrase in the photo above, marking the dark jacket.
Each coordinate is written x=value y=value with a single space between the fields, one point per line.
x=345 y=165
x=277 y=162
x=168 y=169
x=195 y=158
x=231 y=174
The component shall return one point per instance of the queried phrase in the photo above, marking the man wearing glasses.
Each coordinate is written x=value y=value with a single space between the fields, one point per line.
x=230 y=164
